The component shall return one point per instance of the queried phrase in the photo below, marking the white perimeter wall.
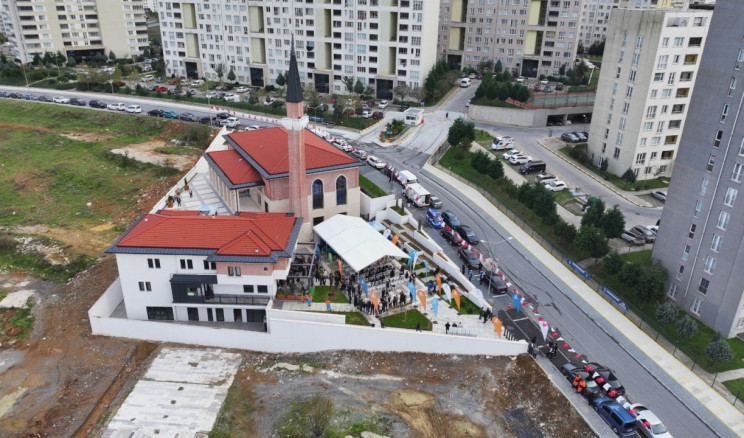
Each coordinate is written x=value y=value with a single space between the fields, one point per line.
x=291 y=331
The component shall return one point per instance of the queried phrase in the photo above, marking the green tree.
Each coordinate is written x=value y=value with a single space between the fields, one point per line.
x=630 y=274
x=461 y=131
x=402 y=91
x=220 y=70
x=280 y=79
x=604 y=165
x=667 y=312
x=579 y=50
x=719 y=351
x=480 y=161
x=499 y=67
x=37 y=59
x=358 y=87
x=526 y=194
x=544 y=202
x=48 y=58
x=612 y=222
x=593 y=214
x=495 y=169
x=112 y=56
x=612 y=263
x=338 y=112
x=564 y=230
x=686 y=327
x=651 y=284
x=592 y=240
x=146 y=52
x=231 y=75
x=629 y=177
x=562 y=69
x=349 y=83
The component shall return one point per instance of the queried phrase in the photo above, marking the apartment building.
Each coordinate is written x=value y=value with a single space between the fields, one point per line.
x=595 y=15
x=701 y=235
x=78 y=28
x=383 y=43
x=529 y=37
x=649 y=68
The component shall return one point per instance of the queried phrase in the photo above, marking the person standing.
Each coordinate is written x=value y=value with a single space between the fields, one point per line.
x=482 y=277
x=446 y=328
x=470 y=275
x=309 y=299
x=418 y=326
x=328 y=305
x=463 y=268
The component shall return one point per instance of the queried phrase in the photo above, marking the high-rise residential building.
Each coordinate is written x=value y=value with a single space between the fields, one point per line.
x=649 y=68
x=78 y=28
x=595 y=15
x=529 y=37
x=382 y=43
x=701 y=236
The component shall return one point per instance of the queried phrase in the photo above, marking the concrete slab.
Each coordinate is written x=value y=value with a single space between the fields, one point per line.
x=17 y=298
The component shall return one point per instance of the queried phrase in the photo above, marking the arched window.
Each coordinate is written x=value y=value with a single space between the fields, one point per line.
x=341 y=190
x=318 y=194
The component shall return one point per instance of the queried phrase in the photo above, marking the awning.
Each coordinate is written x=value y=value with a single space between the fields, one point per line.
x=355 y=241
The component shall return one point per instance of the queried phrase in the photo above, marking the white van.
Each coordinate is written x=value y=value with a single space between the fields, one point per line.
x=405 y=177
x=464 y=82
x=417 y=195
x=501 y=143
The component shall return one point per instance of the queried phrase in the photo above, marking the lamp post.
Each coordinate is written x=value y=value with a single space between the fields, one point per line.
x=23 y=68
x=490 y=255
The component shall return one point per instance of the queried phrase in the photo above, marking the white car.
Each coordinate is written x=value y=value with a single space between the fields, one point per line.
x=556 y=185
x=116 y=106
x=508 y=154
x=654 y=229
x=197 y=82
x=341 y=144
x=60 y=99
x=520 y=159
x=375 y=162
x=647 y=423
x=241 y=89
x=467 y=104
x=230 y=96
x=134 y=109
x=253 y=128
x=383 y=104
x=230 y=122
x=520 y=79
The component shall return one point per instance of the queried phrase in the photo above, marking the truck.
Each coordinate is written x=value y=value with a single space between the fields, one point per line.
x=417 y=195
x=405 y=177
x=503 y=142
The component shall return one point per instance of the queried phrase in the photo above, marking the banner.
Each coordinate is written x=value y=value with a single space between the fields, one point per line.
x=411 y=258
x=330 y=258
x=447 y=292
x=340 y=266
x=412 y=291
x=312 y=290
x=497 y=325
x=317 y=252
x=415 y=259
x=386 y=233
x=456 y=296
x=544 y=327
x=363 y=284
x=395 y=239
x=422 y=297
x=375 y=300
x=435 y=306
x=439 y=282
x=517 y=301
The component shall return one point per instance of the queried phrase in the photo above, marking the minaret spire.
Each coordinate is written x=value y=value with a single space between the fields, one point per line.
x=294 y=86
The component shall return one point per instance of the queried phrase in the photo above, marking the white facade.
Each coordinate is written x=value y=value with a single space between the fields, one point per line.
x=382 y=43
x=74 y=27
x=649 y=68
x=595 y=15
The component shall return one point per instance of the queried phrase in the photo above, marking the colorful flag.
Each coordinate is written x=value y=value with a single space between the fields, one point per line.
x=411 y=258
x=330 y=258
x=363 y=284
x=435 y=306
x=517 y=301
x=456 y=296
x=497 y=325
x=544 y=327
x=439 y=282
x=312 y=290
x=375 y=300
x=340 y=266
x=395 y=239
x=412 y=290
x=422 y=297
x=447 y=291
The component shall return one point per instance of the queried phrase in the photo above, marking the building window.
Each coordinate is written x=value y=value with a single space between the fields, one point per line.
x=341 y=190
x=187 y=264
x=716 y=243
x=691 y=234
x=317 y=194
x=704 y=187
x=711 y=162
x=160 y=313
x=248 y=288
x=740 y=324
x=686 y=252
x=703 y=287
x=233 y=271
x=647 y=126
x=710 y=264
x=730 y=197
x=640 y=158
x=220 y=313
x=717 y=139
x=153 y=263
x=673 y=288
x=723 y=220
x=145 y=286
x=210 y=266
x=696 y=306
x=616 y=154
x=263 y=289
x=698 y=208
x=740 y=60
x=317 y=220
x=681 y=272
x=658 y=77
x=736 y=174
x=651 y=112
x=732 y=86
x=724 y=112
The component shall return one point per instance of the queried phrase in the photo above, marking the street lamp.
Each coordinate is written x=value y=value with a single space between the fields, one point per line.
x=490 y=255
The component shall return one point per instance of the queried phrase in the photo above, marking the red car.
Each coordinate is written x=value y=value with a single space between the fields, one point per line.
x=161 y=89
x=349 y=112
x=377 y=115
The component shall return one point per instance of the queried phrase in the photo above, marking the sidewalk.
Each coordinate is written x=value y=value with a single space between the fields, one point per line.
x=678 y=378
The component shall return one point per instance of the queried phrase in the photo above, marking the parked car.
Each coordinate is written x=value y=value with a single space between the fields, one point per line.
x=660 y=195
x=211 y=95
x=521 y=79
x=497 y=285
x=536 y=166
x=632 y=238
x=647 y=423
x=155 y=113
x=170 y=114
x=230 y=122
x=544 y=178
x=653 y=228
x=161 y=89
x=571 y=370
x=362 y=155
x=580 y=135
x=378 y=115
x=435 y=202
x=471 y=260
x=375 y=162
x=97 y=104
x=452 y=238
x=78 y=102
x=547 y=89
x=537 y=87
x=559 y=87
x=222 y=115
x=606 y=376
x=241 y=89
x=556 y=185
x=41 y=98
x=197 y=82
x=619 y=419
x=341 y=144
x=569 y=137
x=57 y=99
x=450 y=218
x=520 y=159
x=134 y=109
x=187 y=117
x=152 y=87
x=404 y=107
x=212 y=121
x=434 y=218
x=116 y=106
x=383 y=104
x=645 y=232
x=468 y=234
x=508 y=154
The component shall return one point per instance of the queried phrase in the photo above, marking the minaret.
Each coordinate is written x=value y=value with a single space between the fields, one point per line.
x=295 y=123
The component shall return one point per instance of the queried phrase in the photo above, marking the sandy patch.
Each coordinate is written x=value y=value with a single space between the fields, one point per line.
x=88 y=137
x=145 y=152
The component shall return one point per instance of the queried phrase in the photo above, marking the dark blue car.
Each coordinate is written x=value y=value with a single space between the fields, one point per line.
x=434 y=218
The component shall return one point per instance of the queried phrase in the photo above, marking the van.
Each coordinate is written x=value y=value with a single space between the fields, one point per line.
x=532 y=167
x=417 y=194
x=616 y=416
x=405 y=177
x=501 y=143
x=464 y=82
x=544 y=178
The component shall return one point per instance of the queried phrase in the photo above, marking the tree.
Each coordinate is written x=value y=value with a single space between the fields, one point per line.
x=402 y=90
x=112 y=56
x=220 y=70
x=544 y=202
x=592 y=240
x=480 y=161
x=48 y=58
x=604 y=165
x=667 y=312
x=579 y=49
x=651 y=284
x=499 y=67
x=629 y=177
x=461 y=132
x=630 y=274
x=349 y=82
x=358 y=87
x=231 y=75
x=612 y=263
x=686 y=327
x=280 y=79
x=338 y=112
x=71 y=61
x=719 y=351
x=319 y=414
x=495 y=169
x=37 y=59
x=562 y=69
x=146 y=52
x=612 y=222
x=593 y=214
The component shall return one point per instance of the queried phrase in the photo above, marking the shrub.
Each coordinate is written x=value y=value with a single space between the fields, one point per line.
x=630 y=274
x=686 y=327
x=719 y=351
x=613 y=263
x=667 y=312
x=564 y=230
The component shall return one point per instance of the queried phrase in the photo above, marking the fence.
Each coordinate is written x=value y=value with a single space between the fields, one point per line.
x=651 y=328
x=557 y=100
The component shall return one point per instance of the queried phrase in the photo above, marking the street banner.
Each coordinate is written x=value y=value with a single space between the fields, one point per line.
x=439 y=282
x=375 y=300
x=435 y=306
x=412 y=291
x=422 y=297
x=340 y=266
x=395 y=239
x=517 y=302
x=544 y=326
x=456 y=296
x=447 y=291
x=497 y=325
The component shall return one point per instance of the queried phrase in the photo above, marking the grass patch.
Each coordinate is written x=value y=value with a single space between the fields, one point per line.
x=736 y=386
x=482 y=135
x=13 y=256
x=323 y=293
x=693 y=347
x=18 y=317
x=369 y=188
x=399 y=210
x=355 y=318
x=236 y=414
x=649 y=184
x=3 y=294
x=408 y=320
x=178 y=150
x=484 y=101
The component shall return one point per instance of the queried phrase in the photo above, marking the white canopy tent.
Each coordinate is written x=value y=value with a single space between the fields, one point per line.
x=355 y=241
